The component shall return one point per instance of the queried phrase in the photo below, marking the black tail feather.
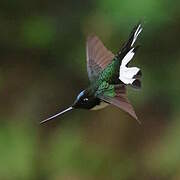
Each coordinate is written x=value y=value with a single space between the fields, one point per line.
x=128 y=45
x=138 y=75
x=136 y=84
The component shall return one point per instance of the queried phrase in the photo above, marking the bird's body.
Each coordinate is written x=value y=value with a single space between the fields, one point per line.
x=109 y=75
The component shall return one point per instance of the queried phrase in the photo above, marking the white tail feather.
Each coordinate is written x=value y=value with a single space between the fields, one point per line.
x=126 y=80
x=136 y=34
x=126 y=74
x=127 y=58
x=129 y=72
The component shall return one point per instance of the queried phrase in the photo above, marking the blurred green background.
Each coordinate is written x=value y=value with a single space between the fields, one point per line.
x=43 y=68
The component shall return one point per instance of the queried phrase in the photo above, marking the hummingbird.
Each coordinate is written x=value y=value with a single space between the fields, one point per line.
x=109 y=75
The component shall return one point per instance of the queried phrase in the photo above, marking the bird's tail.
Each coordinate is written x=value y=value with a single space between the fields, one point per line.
x=130 y=75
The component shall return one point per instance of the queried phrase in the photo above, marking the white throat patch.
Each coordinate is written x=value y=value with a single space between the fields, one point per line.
x=100 y=106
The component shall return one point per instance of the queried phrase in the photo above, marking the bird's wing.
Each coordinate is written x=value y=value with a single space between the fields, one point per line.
x=116 y=95
x=98 y=57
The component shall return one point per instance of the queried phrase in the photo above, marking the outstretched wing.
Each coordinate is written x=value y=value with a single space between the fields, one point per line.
x=117 y=98
x=98 y=57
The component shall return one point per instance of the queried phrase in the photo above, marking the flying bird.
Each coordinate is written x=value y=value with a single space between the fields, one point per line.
x=109 y=75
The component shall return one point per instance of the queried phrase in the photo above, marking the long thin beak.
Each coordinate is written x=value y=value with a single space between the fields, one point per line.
x=56 y=115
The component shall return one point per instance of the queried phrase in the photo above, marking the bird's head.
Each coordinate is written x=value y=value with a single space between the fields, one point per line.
x=84 y=100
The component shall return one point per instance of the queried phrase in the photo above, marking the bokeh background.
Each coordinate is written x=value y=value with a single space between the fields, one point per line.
x=43 y=68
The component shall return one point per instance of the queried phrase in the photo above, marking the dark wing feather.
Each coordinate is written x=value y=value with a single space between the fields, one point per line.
x=98 y=57
x=120 y=100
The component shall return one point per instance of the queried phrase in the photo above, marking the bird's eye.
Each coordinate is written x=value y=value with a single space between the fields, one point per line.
x=85 y=99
